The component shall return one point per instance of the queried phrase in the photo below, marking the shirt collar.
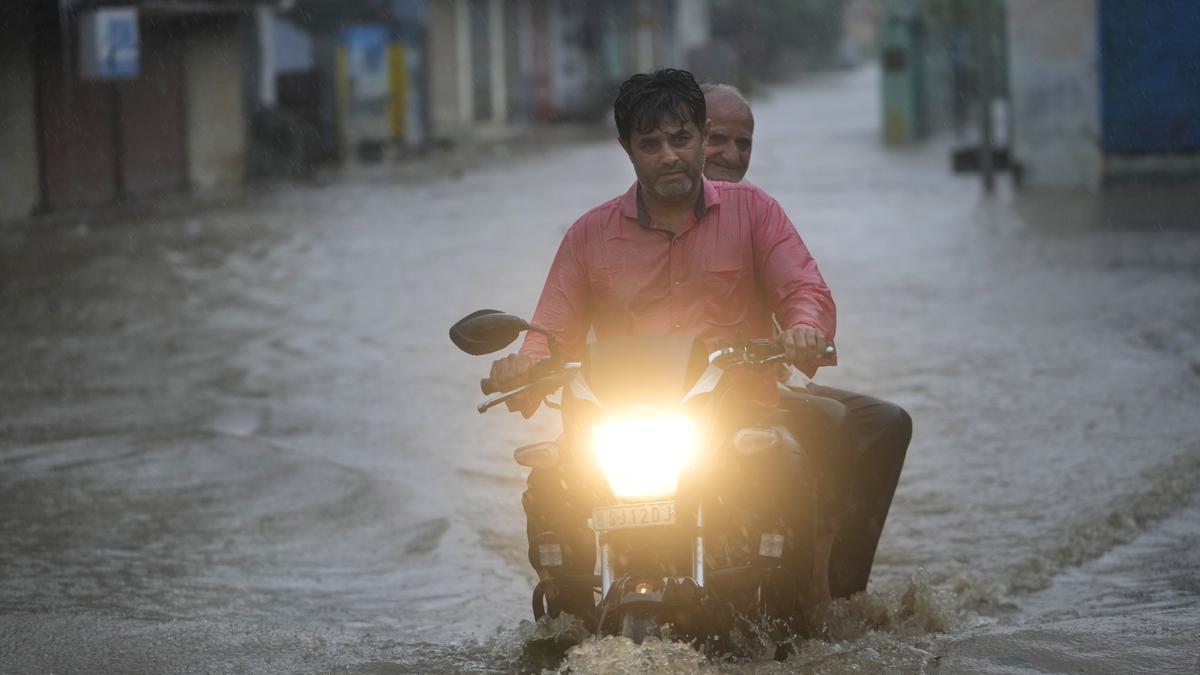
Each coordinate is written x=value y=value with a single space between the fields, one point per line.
x=633 y=208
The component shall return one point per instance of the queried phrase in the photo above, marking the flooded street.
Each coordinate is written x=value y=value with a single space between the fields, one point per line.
x=239 y=440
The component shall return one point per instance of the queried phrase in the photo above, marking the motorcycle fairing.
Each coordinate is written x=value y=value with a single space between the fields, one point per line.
x=643 y=371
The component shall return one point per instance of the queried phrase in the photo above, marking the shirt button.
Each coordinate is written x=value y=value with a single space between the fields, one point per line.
x=676 y=282
x=677 y=324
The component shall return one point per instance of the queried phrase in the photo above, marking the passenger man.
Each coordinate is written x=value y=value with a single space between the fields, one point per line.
x=881 y=429
x=676 y=254
x=731 y=137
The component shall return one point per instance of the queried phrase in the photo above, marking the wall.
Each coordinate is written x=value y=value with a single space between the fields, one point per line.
x=692 y=30
x=151 y=119
x=214 y=89
x=498 y=60
x=1150 y=77
x=444 y=89
x=19 y=181
x=1055 y=91
x=518 y=58
x=571 y=88
x=79 y=144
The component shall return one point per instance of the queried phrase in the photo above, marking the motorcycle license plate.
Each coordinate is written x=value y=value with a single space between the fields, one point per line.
x=647 y=514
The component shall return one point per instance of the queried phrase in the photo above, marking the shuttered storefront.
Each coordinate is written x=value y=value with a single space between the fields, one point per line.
x=102 y=141
x=151 y=114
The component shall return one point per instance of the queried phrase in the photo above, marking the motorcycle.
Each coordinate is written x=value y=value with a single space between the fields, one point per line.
x=688 y=548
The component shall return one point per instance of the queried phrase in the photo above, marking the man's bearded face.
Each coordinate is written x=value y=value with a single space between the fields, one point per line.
x=669 y=159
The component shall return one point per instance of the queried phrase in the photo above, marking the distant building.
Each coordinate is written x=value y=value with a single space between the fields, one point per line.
x=339 y=79
x=104 y=101
x=1104 y=90
x=498 y=62
x=101 y=103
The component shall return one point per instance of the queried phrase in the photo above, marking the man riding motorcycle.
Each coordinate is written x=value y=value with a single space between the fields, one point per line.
x=880 y=430
x=676 y=254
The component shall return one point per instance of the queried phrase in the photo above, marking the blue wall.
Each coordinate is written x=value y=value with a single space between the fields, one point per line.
x=1150 y=75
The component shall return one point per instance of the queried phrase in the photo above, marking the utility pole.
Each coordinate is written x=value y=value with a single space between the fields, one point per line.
x=986 y=55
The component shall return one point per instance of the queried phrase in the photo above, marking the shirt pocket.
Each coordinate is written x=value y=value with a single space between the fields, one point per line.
x=724 y=297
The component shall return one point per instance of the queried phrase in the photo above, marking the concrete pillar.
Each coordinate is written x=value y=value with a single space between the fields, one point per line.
x=526 y=54
x=554 y=52
x=216 y=111
x=1055 y=88
x=264 y=22
x=443 y=70
x=693 y=29
x=19 y=180
x=497 y=61
x=644 y=28
x=462 y=56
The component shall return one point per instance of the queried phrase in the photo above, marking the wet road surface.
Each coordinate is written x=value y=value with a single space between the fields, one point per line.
x=238 y=440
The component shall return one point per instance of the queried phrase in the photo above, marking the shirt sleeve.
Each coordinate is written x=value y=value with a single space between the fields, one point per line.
x=787 y=273
x=563 y=309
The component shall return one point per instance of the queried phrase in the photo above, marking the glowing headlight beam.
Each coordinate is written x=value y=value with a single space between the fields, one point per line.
x=643 y=457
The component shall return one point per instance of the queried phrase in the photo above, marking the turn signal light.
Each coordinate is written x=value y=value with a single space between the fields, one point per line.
x=542 y=455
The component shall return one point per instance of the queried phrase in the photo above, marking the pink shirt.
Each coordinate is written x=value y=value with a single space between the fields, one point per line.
x=734 y=262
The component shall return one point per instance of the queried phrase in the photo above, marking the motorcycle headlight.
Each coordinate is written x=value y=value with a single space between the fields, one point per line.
x=643 y=457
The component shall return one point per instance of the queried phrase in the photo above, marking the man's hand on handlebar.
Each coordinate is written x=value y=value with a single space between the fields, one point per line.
x=511 y=372
x=804 y=346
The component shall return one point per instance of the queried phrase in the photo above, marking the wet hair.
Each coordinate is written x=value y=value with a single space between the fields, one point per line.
x=646 y=99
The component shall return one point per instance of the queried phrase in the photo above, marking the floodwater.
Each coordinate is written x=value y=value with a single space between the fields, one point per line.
x=238 y=440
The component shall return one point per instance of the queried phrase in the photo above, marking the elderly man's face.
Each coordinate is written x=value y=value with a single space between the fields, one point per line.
x=730 y=138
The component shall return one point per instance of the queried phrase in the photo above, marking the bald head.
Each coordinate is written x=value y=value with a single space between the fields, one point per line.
x=730 y=141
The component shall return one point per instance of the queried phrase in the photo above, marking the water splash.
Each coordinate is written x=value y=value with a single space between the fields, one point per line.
x=880 y=631
x=618 y=655
x=916 y=609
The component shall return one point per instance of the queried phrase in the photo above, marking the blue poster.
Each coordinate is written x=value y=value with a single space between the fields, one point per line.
x=367 y=62
x=109 y=45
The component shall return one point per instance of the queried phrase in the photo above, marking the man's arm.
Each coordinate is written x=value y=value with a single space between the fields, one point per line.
x=562 y=310
x=793 y=286
x=564 y=307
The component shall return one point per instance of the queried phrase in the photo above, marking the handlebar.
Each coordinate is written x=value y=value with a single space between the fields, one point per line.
x=757 y=353
x=541 y=369
x=548 y=374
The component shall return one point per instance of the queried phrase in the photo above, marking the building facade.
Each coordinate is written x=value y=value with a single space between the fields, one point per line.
x=1104 y=90
x=86 y=123
x=495 y=63
x=200 y=95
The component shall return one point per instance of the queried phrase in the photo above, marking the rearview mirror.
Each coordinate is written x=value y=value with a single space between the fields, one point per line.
x=486 y=331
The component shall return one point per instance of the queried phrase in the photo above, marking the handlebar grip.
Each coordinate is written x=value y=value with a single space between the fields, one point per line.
x=487 y=387
x=538 y=371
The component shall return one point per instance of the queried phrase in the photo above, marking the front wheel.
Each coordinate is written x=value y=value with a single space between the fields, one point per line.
x=638 y=626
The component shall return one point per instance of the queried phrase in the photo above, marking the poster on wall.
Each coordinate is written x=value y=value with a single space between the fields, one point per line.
x=109 y=47
x=367 y=63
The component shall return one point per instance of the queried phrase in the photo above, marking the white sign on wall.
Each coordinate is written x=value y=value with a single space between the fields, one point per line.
x=109 y=47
